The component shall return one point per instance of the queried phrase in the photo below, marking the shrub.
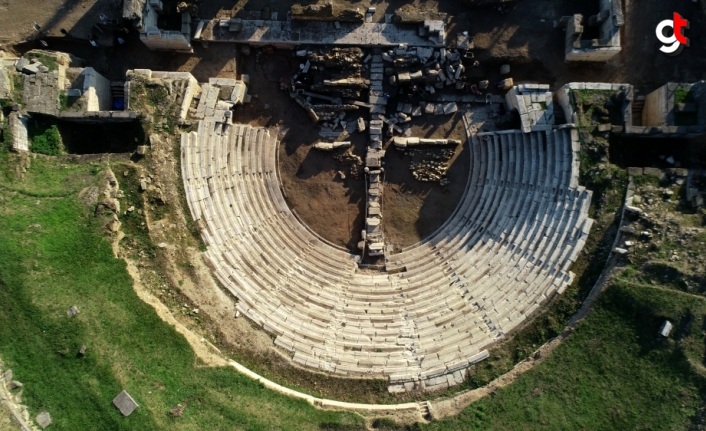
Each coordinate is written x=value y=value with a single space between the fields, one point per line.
x=6 y=141
x=48 y=142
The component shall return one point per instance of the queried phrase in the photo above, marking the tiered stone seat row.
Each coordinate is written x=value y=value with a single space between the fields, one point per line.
x=504 y=252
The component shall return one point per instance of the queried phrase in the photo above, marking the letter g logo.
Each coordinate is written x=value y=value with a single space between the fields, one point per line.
x=673 y=44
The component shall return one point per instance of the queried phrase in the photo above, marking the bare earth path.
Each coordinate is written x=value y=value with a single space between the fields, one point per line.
x=13 y=415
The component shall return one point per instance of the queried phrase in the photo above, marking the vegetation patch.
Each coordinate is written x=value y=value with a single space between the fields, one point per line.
x=667 y=244
x=683 y=95
x=614 y=372
x=54 y=257
x=70 y=103
x=15 y=95
x=47 y=60
x=599 y=106
x=47 y=142
x=6 y=142
x=18 y=86
x=154 y=99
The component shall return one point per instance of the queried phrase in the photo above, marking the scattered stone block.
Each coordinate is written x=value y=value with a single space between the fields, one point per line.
x=43 y=420
x=125 y=403
x=679 y=172
x=31 y=69
x=653 y=172
x=361 y=124
x=666 y=328
x=71 y=312
x=634 y=210
x=15 y=385
x=450 y=108
x=177 y=411
x=21 y=63
x=505 y=84
x=604 y=127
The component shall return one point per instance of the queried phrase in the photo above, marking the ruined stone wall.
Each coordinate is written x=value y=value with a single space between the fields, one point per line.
x=132 y=9
x=534 y=103
x=656 y=108
x=97 y=90
x=18 y=130
x=563 y=97
x=163 y=40
x=594 y=54
x=5 y=84
x=148 y=21
x=610 y=29
x=599 y=50
x=99 y=117
x=192 y=88
x=325 y=12
x=699 y=91
x=167 y=78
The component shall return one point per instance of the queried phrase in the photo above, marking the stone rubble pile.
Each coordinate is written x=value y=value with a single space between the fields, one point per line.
x=430 y=165
x=427 y=69
x=353 y=161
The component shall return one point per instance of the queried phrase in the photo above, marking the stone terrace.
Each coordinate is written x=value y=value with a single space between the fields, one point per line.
x=293 y=33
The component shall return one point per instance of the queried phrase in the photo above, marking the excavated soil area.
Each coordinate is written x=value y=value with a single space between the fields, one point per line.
x=414 y=209
x=523 y=35
x=333 y=206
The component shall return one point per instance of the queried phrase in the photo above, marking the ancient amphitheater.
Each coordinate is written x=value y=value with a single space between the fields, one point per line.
x=438 y=305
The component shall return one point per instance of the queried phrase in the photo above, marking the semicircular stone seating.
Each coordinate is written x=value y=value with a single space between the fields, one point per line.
x=442 y=302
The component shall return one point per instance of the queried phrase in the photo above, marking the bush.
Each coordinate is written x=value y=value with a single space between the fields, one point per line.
x=6 y=141
x=48 y=142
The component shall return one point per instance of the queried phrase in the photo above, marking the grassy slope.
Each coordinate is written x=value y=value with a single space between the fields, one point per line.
x=613 y=373
x=53 y=258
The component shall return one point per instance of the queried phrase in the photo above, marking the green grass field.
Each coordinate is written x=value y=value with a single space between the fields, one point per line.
x=612 y=374
x=53 y=257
